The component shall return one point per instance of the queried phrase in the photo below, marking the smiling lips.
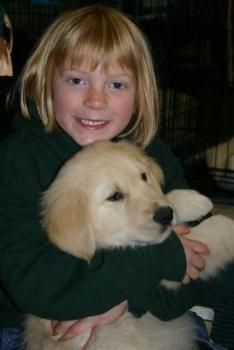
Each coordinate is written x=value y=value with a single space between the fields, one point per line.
x=92 y=124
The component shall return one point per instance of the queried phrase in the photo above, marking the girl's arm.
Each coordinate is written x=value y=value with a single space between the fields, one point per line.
x=40 y=279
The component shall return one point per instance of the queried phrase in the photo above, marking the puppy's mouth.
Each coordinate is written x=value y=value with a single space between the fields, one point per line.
x=142 y=243
x=161 y=236
x=159 y=229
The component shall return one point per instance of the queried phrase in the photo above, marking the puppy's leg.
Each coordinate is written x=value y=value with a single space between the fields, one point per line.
x=218 y=233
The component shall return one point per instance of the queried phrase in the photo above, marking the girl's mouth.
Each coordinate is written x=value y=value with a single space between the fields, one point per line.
x=92 y=123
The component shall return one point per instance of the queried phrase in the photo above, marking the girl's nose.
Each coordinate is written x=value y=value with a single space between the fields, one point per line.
x=95 y=98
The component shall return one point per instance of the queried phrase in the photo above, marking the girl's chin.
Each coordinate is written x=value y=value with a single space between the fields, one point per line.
x=89 y=140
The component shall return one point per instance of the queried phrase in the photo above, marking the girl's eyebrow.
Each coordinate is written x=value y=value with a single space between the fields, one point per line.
x=71 y=71
x=122 y=75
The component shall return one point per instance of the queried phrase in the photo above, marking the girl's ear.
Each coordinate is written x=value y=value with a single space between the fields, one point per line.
x=67 y=223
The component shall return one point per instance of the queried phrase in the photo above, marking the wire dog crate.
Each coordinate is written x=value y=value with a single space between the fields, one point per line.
x=203 y=139
x=200 y=85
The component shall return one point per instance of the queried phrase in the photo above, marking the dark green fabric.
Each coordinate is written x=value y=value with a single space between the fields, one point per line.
x=173 y=173
x=37 y=278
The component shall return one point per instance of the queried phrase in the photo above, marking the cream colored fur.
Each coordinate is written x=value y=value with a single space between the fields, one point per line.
x=106 y=196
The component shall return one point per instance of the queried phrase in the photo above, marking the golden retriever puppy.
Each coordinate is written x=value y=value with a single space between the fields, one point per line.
x=109 y=195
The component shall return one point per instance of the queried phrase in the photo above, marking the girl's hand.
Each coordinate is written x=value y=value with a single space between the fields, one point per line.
x=69 y=329
x=194 y=252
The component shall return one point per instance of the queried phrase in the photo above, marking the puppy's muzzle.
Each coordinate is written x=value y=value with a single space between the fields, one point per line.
x=164 y=216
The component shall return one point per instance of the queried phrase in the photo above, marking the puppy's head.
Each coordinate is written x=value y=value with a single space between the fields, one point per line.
x=107 y=195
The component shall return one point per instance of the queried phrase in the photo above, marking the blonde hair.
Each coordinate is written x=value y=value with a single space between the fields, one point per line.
x=101 y=34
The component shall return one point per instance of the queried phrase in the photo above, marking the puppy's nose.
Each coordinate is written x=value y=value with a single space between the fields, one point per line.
x=164 y=216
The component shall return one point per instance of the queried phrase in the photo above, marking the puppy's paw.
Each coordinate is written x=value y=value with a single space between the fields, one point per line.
x=170 y=284
x=189 y=205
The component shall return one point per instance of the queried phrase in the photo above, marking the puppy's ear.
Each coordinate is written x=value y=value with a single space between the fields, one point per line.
x=67 y=222
x=138 y=153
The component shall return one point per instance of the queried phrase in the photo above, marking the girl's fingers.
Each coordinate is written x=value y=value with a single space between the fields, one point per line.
x=181 y=229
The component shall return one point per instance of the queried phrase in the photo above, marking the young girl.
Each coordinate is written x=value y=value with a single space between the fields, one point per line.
x=90 y=78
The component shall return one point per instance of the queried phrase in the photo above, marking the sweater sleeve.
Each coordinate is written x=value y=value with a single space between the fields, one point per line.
x=40 y=279
x=168 y=304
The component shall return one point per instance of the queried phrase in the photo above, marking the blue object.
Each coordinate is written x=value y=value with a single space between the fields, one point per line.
x=11 y=338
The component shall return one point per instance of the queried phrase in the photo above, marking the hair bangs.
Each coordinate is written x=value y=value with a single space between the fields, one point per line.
x=100 y=44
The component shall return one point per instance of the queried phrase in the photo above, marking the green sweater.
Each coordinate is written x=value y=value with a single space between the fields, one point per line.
x=38 y=278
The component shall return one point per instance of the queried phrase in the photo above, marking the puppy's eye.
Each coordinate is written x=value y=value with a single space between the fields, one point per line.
x=116 y=196
x=144 y=176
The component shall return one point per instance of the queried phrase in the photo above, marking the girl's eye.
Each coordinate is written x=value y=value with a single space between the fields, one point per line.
x=77 y=81
x=117 y=85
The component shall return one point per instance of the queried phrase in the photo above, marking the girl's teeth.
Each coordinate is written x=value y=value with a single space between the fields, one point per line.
x=92 y=122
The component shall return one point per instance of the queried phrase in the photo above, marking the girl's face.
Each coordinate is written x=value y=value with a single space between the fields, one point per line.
x=93 y=105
